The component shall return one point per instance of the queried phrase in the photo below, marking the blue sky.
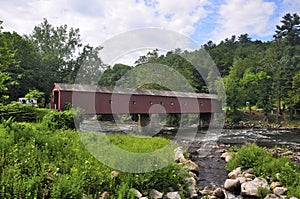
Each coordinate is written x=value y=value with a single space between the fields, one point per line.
x=201 y=20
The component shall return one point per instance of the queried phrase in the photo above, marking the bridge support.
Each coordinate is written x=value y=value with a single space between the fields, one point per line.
x=204 y=120
x=143 y=121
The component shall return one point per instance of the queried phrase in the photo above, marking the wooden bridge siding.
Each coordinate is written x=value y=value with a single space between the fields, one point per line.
x=101 y=103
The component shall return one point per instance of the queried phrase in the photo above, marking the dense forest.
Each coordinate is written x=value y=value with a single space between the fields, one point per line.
x=264 y=75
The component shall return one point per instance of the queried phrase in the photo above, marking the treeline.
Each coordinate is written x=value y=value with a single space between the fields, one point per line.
x=258 y=74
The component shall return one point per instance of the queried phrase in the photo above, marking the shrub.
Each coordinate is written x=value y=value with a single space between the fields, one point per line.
x=267 y=166
x=62 y=119
x=20 y=113
x=248 y=156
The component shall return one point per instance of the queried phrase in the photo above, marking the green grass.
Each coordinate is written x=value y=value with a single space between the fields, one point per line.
x=267 y=166
x=38 y=162
x=138 y=144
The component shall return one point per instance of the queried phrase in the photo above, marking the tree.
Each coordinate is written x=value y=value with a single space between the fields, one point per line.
x=111 y=75
x=289 y=30
x=6 y=58
x=24 y=72
x=36 y=95
x=60 y=54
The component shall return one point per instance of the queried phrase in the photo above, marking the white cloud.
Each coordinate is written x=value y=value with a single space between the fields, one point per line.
x=243 y=16
x=99 y=20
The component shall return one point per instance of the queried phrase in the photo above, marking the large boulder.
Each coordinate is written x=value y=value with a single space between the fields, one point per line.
x=250 y=188
x=232 y=185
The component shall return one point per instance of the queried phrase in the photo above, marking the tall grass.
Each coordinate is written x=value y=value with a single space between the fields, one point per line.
x=38 y=161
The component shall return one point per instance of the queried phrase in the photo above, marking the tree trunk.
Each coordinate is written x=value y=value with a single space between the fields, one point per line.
x=278 y=109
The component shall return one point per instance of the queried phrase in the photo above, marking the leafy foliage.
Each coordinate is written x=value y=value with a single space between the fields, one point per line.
x=21 y=113
x=69 y=119
x=267 y=166
x=37 y=162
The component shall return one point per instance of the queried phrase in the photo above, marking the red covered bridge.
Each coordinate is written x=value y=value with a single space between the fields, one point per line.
x=105 y=100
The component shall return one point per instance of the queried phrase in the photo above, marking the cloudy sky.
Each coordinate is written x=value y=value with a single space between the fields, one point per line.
x=200 y=20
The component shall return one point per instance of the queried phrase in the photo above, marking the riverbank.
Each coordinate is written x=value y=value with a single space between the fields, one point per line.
x=213 y=172
x=260 y=125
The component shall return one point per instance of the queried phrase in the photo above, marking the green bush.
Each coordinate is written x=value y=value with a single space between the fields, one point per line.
x=62 y=119
x=267 y=166
x=20 y=113
x=248 y=156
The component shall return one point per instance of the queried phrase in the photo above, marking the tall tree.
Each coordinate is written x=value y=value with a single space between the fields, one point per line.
x=6 y=58
x=290 y=29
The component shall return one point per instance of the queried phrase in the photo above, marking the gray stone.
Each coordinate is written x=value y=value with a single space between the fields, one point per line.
x=137 y=193
x=250 y=171
x=251 y=188
x=179 y=155
x=218 y=192
x=271 y=196
x=235 y=173
x=173 y=195
x=226 y=156
x=104 y=195
x=242 y=179
x=232 y=185
x=249 y=175
x=155 y=194
x=279 y=191
x=192 y=166
x=191 y=185
x=273 y=185
x=206 y=191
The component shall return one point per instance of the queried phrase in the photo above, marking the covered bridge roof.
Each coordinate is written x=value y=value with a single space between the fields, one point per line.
x=118 y=90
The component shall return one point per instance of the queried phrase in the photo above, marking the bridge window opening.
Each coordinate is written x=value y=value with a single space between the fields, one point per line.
x=133 y=102
x=150 y=102
x=110 y=101
x=172 y=103
x=161 y=103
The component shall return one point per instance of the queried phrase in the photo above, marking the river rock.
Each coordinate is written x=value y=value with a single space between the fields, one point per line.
x=137 y=193
x=179 y=155
x=272 y=196
x=235 y=173
x=242 y=179
x=226 y=156
x=279 y=191
x=104 y=195
x=249 y=176
x=232 y=185
x=273 y=185
x=173 y=195
x=206 y=191
x=191 y=186
x=250 y=171
x=192 y=166
x=218 y=192
x=155 y=194
x=251 y=188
